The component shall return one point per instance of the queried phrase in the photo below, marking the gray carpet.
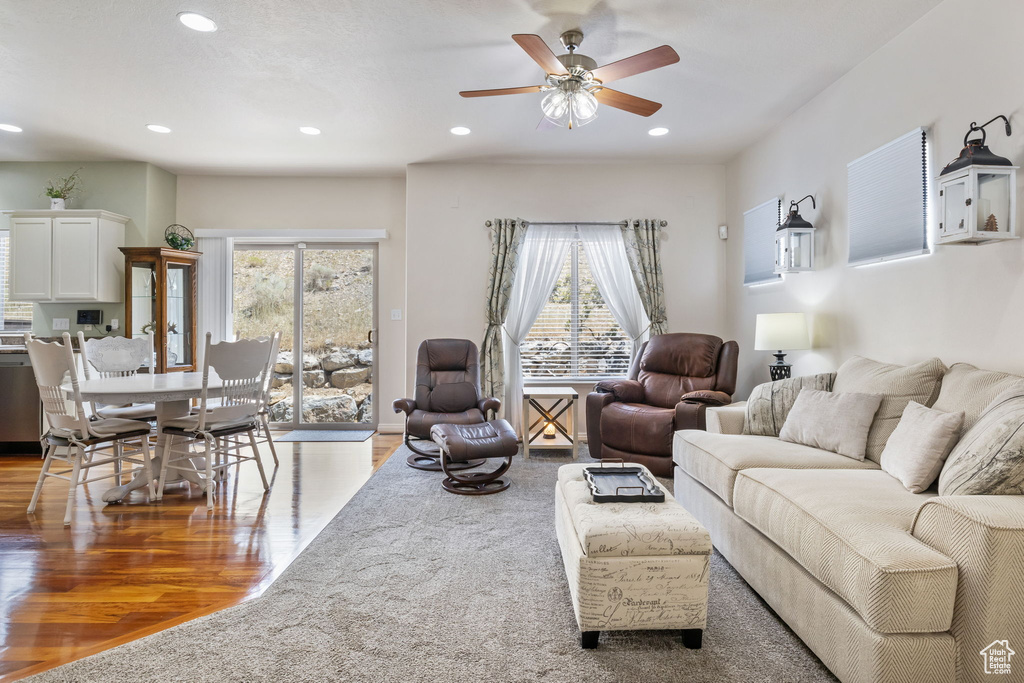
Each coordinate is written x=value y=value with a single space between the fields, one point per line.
x=411 y=583
x=326 y=435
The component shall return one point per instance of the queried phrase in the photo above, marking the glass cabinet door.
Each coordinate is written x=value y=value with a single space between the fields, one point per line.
x=179 y=314
x=954 y=208
x=143 y=298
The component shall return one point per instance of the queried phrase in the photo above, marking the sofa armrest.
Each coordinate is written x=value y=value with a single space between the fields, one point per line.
x=984 y=535
x=623 y=390
x=711 y=398
x=489 y=404
x=729 y=419
x=404 y=405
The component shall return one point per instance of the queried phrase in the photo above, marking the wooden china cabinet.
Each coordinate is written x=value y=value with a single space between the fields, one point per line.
x=160 y=291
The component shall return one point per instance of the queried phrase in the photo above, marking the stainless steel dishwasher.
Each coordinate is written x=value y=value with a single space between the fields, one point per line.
x=20 y=409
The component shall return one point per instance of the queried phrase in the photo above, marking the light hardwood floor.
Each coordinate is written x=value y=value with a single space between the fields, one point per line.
x=121 y=572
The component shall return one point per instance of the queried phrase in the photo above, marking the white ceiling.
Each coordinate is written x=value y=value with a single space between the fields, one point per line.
x=381 y=78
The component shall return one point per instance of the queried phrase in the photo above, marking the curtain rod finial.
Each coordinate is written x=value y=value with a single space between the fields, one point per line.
x=663 y=224
x=487 y=224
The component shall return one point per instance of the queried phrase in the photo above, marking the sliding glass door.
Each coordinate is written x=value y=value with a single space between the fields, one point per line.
x=323 y=299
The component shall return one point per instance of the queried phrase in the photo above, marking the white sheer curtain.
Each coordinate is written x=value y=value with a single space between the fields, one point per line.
x=540 y=262
x=606 y=253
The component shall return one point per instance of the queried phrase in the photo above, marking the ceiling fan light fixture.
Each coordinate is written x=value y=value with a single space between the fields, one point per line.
x=569 y=105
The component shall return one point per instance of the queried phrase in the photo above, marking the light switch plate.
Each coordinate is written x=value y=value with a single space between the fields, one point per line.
x=396 y=313
x=88 y=328
x=115 y=324
x=723 y=232
x=60 y=324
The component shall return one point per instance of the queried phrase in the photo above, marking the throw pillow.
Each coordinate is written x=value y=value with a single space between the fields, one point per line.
x=898 y=385
x=989 y=460
x=770 y=403
x=920 y=444
x=833 y=422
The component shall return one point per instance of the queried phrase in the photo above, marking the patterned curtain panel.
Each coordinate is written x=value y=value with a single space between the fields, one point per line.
x=506 y=242
x=643 y=248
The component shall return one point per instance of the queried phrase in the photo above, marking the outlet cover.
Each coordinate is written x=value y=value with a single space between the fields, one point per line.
x=396 y=313
x=115 y=324
x=61 y=324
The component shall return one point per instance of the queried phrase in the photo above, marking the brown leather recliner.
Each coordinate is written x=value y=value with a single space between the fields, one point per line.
x=447 y=392
x=672 y=381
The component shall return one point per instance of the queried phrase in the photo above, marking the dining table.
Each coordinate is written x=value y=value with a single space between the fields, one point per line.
x=172 y=394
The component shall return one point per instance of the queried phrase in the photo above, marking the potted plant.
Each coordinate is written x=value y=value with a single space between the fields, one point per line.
x=62 y=190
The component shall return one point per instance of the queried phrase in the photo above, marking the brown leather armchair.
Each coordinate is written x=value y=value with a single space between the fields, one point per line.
x=447 y=392
x=672 y=381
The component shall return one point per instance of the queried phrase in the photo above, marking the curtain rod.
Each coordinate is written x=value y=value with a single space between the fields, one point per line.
x=661 y=224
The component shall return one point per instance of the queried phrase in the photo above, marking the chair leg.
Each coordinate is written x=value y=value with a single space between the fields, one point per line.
x=147 y=468
x=76 y=470
x=164 y=460
x=48 y=455
x=118 y=453
x=211 y=453
x=259 y=462
x=270 y=439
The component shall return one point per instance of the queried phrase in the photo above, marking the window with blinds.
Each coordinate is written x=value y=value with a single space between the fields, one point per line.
x=575 y=336
x=15 y=316
x=888 y=197
x=759 y=226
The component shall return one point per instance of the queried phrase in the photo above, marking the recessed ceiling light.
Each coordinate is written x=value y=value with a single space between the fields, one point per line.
x=157 y=128
x=657 y=131
x=460 y=130
x=9 y=128
x=197 y=22
x=309 y=130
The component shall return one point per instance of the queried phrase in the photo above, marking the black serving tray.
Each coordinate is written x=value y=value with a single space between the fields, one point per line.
x=622 y=485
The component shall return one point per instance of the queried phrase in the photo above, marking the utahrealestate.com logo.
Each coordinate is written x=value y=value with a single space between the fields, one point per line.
x=997 y=657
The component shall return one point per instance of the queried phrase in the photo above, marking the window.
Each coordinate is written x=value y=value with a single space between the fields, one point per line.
x=15 y=316
x=888 y=190
x=759 y=226
x=575 y=336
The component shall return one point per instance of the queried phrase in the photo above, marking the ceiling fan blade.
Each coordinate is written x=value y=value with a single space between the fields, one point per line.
x=630 y=103
x=500 y=91
x=541 y=53
x=637 y=64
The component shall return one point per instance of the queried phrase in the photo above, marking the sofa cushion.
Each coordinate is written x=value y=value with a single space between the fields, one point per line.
x=715 y=459
x=851 y=531
x=420 y=421
x=770 y=403
x=638 y=428
x=968 y=389
x=897 y=384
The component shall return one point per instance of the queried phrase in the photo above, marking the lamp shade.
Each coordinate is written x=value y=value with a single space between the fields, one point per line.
x=781 y=331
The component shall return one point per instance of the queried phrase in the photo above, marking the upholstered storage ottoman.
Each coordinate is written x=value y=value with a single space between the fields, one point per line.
x=631 y=566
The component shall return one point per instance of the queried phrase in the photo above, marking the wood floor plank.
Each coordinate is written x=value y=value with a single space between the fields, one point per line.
x=122 y=572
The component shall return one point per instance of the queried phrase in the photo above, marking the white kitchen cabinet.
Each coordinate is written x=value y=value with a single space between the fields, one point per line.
x=67 y=256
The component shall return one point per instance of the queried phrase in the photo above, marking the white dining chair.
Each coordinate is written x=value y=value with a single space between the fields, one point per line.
x=263 y=434
x=242 y=368
x=71 y=430
x=104 y=357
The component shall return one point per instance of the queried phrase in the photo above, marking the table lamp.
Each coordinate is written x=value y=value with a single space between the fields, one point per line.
x=777 y=332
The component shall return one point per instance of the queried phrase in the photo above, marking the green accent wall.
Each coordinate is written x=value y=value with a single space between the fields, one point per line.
x=143 y=192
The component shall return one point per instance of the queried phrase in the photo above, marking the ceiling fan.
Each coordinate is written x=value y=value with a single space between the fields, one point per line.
x=576 y=85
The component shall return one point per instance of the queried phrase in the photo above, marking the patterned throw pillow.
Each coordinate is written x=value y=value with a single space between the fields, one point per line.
x=989 y=460
x=769 y=403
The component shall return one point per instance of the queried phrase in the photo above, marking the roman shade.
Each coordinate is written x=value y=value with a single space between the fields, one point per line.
x=888 y=201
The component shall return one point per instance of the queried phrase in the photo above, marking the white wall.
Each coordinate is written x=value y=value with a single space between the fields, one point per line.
x=960 y=303
x=449 y=250
x=339 y=203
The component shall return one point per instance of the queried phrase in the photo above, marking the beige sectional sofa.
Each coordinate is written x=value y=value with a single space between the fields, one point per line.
x=882 y=584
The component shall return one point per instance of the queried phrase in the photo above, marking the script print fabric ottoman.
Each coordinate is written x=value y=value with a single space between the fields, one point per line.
x=631 y=566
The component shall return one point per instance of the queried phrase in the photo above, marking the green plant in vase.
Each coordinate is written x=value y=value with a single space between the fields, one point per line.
x=63 y=189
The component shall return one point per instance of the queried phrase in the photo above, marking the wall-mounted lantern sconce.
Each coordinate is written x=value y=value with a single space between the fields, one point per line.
x=978 y=194
x=794 y=241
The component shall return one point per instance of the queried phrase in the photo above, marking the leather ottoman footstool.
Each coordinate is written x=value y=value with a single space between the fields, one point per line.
x=461 y=443
x=631 y=566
